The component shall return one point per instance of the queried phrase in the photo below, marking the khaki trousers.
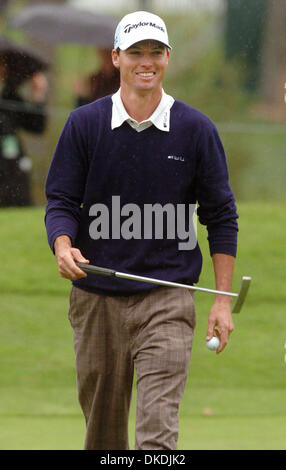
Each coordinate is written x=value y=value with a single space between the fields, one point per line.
x=154 y=332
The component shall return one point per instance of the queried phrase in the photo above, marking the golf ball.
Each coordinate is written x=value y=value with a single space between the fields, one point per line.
x=213 y=343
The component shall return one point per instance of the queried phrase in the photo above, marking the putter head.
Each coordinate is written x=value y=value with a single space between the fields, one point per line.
x=244 y=286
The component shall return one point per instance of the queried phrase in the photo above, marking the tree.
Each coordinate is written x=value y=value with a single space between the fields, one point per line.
x=244 y=25
x=273 y=66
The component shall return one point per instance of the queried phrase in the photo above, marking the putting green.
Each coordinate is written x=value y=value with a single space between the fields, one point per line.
x=235 y=400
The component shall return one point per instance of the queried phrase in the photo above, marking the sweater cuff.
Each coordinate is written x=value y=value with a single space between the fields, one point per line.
x=223 y=241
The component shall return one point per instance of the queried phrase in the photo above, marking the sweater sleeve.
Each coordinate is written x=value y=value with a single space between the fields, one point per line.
x=65 y=184
x=216 y=202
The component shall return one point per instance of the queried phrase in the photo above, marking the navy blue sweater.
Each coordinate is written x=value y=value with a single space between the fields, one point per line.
x=92 y=163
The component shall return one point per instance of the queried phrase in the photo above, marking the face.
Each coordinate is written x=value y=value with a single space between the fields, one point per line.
x=142 y=66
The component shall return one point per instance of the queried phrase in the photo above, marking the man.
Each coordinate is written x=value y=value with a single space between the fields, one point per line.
x=122 y=154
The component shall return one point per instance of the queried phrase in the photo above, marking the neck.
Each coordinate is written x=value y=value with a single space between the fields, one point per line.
x=140 y=106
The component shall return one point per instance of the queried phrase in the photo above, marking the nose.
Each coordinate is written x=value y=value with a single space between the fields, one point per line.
x=146 y=60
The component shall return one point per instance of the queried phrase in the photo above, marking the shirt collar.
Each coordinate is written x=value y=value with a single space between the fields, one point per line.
x=160 y=117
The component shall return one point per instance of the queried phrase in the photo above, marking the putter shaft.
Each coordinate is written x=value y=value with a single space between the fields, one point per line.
x=171 y=284
x=133 y=277
x=240 y=297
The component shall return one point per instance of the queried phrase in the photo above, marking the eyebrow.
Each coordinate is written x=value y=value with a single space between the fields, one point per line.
x=157 y=46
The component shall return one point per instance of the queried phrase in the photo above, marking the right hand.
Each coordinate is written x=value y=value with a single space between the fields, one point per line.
x=66 y=257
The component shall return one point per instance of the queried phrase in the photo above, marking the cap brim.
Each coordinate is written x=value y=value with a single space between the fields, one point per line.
x=144 y=37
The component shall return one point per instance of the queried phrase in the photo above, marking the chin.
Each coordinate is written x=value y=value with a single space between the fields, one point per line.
x=147 y=86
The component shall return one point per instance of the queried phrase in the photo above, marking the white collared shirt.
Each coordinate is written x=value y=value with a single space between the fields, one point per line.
x=160 y=117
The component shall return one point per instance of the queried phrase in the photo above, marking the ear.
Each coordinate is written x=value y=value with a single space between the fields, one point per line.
x=115 y=58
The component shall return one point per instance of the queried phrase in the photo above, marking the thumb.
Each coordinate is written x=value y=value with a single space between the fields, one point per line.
x=77 y=256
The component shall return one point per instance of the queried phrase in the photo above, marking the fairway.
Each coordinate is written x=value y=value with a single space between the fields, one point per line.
x=235 y=400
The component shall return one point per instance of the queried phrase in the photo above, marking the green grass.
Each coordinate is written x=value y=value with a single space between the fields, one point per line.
x=235 y=400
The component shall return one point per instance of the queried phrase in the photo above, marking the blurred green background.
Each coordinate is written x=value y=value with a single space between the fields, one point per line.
x=232 y=401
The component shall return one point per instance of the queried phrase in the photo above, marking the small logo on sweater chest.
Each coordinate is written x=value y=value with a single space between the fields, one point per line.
x=174 y=157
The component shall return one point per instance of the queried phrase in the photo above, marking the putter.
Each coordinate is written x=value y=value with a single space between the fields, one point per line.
x=240 y=297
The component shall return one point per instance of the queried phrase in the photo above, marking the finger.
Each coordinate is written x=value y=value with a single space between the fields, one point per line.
x=77 y=272
x=217 y=332
x=223 y=338
x=70 y=274
x=210 y=330
x=78 y=257
x=68 y=269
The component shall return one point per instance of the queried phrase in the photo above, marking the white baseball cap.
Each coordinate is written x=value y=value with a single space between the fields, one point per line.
x=139 y=26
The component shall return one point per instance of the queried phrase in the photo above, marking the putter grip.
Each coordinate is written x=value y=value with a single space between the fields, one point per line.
x=96 y=269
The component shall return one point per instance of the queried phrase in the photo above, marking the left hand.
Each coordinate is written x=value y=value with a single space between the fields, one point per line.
x=220 y=317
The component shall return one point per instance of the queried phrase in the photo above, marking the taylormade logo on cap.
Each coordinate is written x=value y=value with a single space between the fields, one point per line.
x=139 y=26
x=129 y=27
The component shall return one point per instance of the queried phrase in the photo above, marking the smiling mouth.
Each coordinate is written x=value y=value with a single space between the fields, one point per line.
x=145 y=74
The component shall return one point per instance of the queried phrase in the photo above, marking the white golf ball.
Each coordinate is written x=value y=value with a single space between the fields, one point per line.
x=213 y=343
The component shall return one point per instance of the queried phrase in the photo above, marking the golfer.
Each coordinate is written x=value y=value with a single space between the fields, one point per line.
x=116 y=158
